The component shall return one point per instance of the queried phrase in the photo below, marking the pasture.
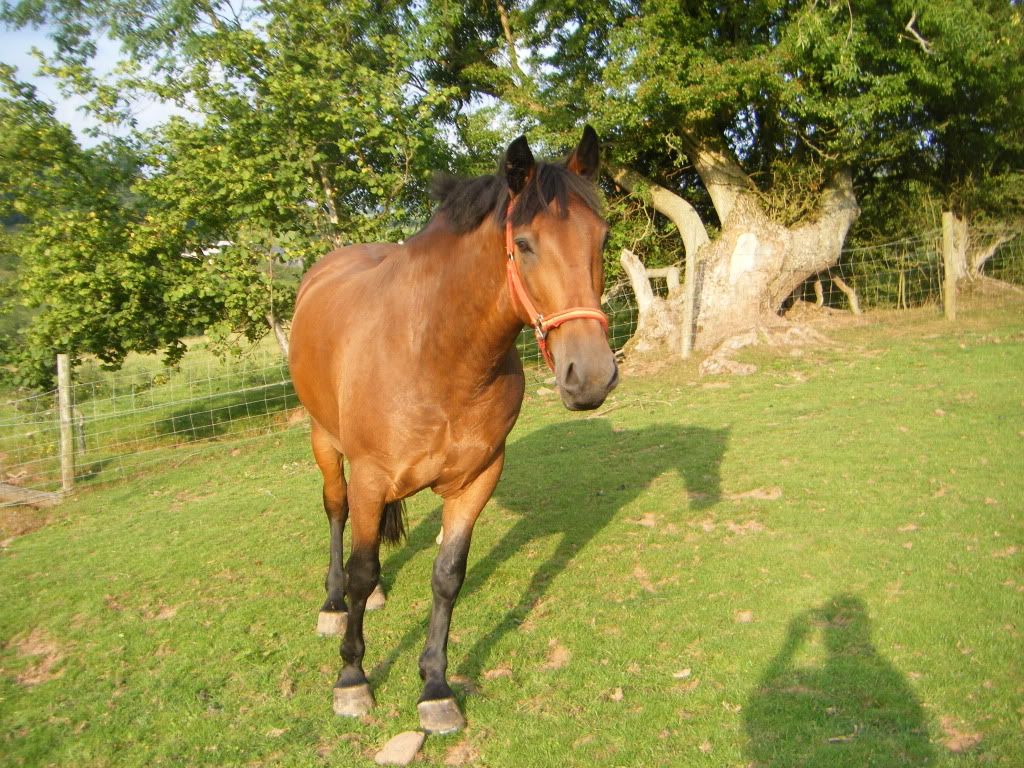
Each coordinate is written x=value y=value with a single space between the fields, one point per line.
x=818 y=564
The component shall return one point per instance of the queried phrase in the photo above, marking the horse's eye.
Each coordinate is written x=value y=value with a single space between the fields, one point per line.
x=523 y=245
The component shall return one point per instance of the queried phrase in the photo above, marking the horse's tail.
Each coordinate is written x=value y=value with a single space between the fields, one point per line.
x=392 y=522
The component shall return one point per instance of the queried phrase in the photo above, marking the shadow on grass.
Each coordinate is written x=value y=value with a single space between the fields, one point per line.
x=215 y=415
x=829 y=699
x=567 y=480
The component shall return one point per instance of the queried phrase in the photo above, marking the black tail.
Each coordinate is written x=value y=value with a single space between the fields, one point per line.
x=392 y=522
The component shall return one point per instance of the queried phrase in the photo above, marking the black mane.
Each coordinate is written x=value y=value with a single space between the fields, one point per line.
x=466 y=202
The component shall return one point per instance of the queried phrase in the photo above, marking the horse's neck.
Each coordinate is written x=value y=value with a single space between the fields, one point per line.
x=473 y=315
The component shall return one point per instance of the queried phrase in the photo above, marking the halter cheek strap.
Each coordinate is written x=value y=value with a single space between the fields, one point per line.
x=542 y=324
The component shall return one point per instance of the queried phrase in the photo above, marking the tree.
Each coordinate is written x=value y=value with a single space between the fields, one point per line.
x=750 y=125
x=93 y=287
x=304 y=126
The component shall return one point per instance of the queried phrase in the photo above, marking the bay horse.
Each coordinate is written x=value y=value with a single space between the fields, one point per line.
x=404 y=357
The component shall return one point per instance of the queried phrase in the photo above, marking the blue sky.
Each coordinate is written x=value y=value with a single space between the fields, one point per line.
x=15 y=49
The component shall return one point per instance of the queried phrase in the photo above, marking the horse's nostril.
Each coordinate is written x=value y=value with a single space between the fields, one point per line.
x=572 y=379
x=614 y=379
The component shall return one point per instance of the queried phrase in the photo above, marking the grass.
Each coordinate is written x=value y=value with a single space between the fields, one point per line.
x=818 y=564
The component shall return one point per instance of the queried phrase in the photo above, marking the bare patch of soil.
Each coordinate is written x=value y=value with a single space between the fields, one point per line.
x=22 y=520
x=956 y=739
x=558 y=655
x=45 y=656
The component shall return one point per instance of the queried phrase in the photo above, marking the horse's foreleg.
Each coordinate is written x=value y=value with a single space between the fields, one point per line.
x=331 y=620
x=439 y=713
x=352 y=696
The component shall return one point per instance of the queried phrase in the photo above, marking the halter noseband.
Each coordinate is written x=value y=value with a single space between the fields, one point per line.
x=541 y=325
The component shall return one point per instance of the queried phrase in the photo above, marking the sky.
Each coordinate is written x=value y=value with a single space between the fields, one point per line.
x=15 y=49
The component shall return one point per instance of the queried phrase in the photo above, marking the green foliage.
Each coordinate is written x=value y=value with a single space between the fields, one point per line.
x=92 y=287
x=307 y=127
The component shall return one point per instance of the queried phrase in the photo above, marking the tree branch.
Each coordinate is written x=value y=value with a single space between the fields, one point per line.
x=915 y=36
x=510 y=43
x=666 y=202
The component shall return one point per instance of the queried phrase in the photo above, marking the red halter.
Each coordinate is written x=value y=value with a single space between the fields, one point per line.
x=541 y=324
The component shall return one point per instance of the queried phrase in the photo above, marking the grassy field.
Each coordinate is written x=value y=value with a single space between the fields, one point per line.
x=819 y=564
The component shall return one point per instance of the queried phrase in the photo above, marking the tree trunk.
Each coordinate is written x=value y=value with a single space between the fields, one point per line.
x=741 y=279
x=659 y=321
x=756 y=264
x=279 y=333
x=972 y=251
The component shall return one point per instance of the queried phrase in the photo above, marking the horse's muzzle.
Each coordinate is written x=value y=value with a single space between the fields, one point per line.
x=584 y=382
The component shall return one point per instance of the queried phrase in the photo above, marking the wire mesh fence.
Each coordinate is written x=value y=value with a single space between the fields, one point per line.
x=126 y=420
x=909 y=273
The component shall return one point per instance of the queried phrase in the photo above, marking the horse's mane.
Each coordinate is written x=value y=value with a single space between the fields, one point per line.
x=467 y=201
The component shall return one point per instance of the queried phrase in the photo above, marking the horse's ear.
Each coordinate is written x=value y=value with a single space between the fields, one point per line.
x=585 y=159
x=519 y=165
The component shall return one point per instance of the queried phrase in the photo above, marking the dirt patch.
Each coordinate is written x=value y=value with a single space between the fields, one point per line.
x=21 y=520
x=742 y=529
x=773 y=493
x=955 y=738
x=44 y=657
x=462 y=753
x=558 y=655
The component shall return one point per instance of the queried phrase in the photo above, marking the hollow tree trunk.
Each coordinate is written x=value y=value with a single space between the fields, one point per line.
x=753 y=267
x=740 y=280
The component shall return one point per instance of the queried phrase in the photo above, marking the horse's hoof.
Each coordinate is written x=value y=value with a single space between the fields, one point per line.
x=440 y=716
x=353 y=701
x=376 y=600
x=331 y=623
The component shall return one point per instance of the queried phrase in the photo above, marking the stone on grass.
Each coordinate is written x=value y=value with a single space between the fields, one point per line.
x=400 y=749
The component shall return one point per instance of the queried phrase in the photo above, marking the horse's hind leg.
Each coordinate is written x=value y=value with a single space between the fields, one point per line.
x=331 y=620
x=352 y=696
x=438 y=710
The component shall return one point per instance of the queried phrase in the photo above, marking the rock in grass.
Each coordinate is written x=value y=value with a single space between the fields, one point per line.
x=401 y=749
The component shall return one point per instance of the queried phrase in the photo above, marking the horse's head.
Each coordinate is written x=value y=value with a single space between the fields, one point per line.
x=557 y=236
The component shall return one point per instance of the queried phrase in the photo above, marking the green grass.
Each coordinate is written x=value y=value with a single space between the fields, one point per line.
x=629 y=601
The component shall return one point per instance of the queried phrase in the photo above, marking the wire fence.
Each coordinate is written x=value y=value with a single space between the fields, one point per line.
x=124 y=421
x=908 y=273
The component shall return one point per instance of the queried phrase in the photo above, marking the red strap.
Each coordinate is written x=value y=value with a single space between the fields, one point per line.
x=541 y=324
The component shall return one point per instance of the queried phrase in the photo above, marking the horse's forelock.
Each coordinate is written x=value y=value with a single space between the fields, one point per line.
x=467 y=201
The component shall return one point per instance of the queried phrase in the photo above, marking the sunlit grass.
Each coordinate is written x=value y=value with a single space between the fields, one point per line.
x=818 y=564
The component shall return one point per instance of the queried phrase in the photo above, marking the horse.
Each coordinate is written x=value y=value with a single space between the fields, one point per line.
x=404 y=357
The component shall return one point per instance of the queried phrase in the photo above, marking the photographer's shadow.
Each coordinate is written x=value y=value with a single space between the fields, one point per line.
x=850 y=708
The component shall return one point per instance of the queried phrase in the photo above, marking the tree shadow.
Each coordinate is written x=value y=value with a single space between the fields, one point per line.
x=211 y=416
x=569 y=480
x=851 y=709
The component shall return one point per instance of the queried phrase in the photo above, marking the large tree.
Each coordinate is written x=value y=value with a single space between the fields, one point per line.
x=92 y=285
x=301 y=126
x=754 y=126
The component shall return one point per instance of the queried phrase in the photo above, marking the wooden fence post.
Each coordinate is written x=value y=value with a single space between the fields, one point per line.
x=948 y=266
x=67 y=446
x=689 y=302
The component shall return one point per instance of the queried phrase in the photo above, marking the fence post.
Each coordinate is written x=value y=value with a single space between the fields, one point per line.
x=67 y=446
x=948 y=266
x=689 y=302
